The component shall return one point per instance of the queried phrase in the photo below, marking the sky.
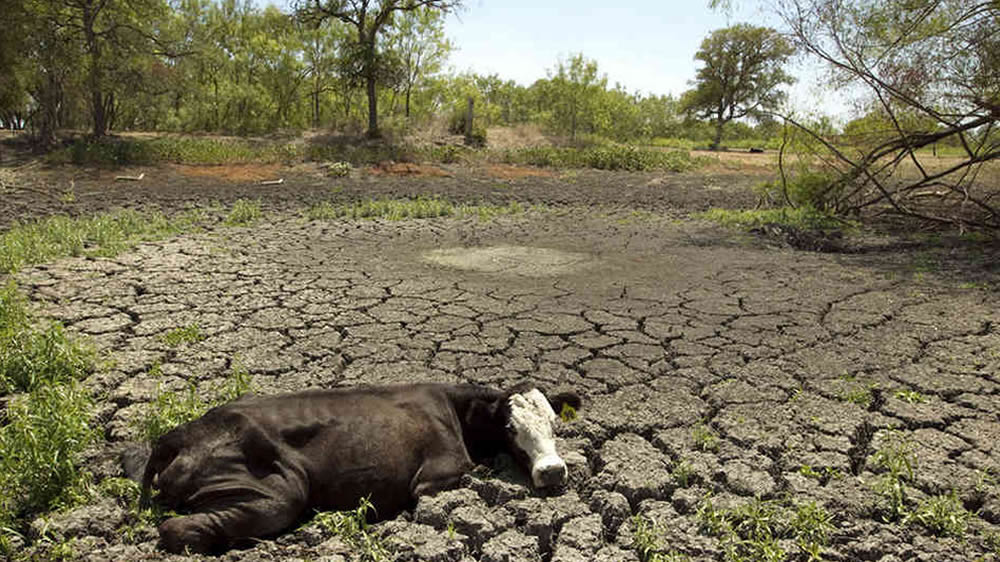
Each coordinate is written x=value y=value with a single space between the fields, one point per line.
x=646 y=45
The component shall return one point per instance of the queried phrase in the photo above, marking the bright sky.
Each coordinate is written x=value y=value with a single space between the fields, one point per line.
x=646 y=45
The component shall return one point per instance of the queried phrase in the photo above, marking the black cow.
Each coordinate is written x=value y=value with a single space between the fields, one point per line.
x=257 y=465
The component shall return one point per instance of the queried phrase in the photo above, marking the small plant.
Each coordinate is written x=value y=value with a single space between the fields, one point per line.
x=944 y=515
x=401 y=209
x=40 y=442
x=31 y=355
x=645 y=537
x=824 y=474
x=802 y=218
x=568 y=413
x=897 y=459
x=352 y=528
x=754 y=530
x=244 y=212
x=187 y=334
x=859 y=394
x=682 y=473
x=338 y=169
x=704 y=438
x=910 y=396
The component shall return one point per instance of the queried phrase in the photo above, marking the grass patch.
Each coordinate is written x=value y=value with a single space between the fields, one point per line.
x=187 y=334
x=170 y=409
x=898 y=462
x=352 y=528
x=756 y=530
x=180 y=150
x=803 y=218
x=33 y=356
x=614 y=157
x=243 y=213
x=44 y=433
x=401 y=209
x=943 y=515
x=103 y=235
x=704 y=438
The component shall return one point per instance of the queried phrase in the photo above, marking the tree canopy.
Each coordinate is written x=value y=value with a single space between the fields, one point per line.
x=741 y=75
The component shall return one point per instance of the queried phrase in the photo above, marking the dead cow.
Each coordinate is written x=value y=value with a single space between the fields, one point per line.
x=257 y=465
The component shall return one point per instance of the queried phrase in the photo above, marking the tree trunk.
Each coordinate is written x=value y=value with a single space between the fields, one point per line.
x=96 y=95
x=718 y=134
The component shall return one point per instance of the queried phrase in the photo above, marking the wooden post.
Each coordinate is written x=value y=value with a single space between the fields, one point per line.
x=468 y=120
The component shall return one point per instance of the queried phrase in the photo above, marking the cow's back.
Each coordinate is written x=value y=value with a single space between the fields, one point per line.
x=358 y=442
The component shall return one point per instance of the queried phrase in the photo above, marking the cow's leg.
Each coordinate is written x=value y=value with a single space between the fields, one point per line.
x=440 y=472
x=209 y=530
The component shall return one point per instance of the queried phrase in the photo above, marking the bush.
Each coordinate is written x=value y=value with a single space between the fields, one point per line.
x=806 y=187
x=613 y=157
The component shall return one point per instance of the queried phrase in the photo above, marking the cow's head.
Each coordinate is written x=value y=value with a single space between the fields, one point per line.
x=530 y=420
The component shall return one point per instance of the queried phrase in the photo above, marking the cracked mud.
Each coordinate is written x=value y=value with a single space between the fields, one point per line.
x=708 y=363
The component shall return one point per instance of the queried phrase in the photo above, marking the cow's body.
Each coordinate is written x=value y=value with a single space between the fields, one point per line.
x=255 y=466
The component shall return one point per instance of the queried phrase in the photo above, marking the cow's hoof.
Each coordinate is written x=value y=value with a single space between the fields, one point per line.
x=183 y=534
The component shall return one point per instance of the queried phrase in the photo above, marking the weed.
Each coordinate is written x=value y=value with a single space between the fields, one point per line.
x=803 y=218
x=187 y=334
x=811 y=525
x=100 y=235
x=44 y=433
x=352 y=528
x=417 y=208
x=33 y=356
x=243 y=213
x=704 y=438
x=682 y=473
x=824 y=475
x=858 y=394
x=754 y=530
x=612 y=157
x=338 y=169
x=568 y=413
x=897 y=459
x=944 y=515
x=644 y=537
x=910 y=396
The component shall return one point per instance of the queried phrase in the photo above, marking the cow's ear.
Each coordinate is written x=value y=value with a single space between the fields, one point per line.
x=482 y=413
x=566 y=404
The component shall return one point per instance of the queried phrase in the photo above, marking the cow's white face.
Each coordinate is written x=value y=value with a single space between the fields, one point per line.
x=531 y=419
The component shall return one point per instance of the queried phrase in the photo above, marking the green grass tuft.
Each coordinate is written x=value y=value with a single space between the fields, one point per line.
x=103 y=235
x=243 y=213
x=187 y=334
x=352 y=528
x=943 y=515
x=612 y=157
x=45 y=432
x=402 y=209
x=804 y=218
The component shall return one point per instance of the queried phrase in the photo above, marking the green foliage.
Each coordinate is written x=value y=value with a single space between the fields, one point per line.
x=401 y=209
x=170 y=409
x=243 y=213
x=567 y=413
x=898 y=462
x=705 y=438
x=741 y=75
x=100 y=235
x=352 y=528
x=646 y=541
x=34 y=356
x=943 y=515
x=178 y=150
x=754 y=530
x=40 y=443
x=614 y=157
x=805 y=187
x=802 y=218
x=910 y=396
x=187 y=334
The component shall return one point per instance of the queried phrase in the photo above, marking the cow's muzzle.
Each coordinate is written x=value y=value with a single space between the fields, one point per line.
x=549 y=471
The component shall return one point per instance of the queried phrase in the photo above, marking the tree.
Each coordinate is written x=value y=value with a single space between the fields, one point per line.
x=930 y=73
x=740 y=75
x=369 y=18
x=574 y=90
x=108 y=33
x=419 y=42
